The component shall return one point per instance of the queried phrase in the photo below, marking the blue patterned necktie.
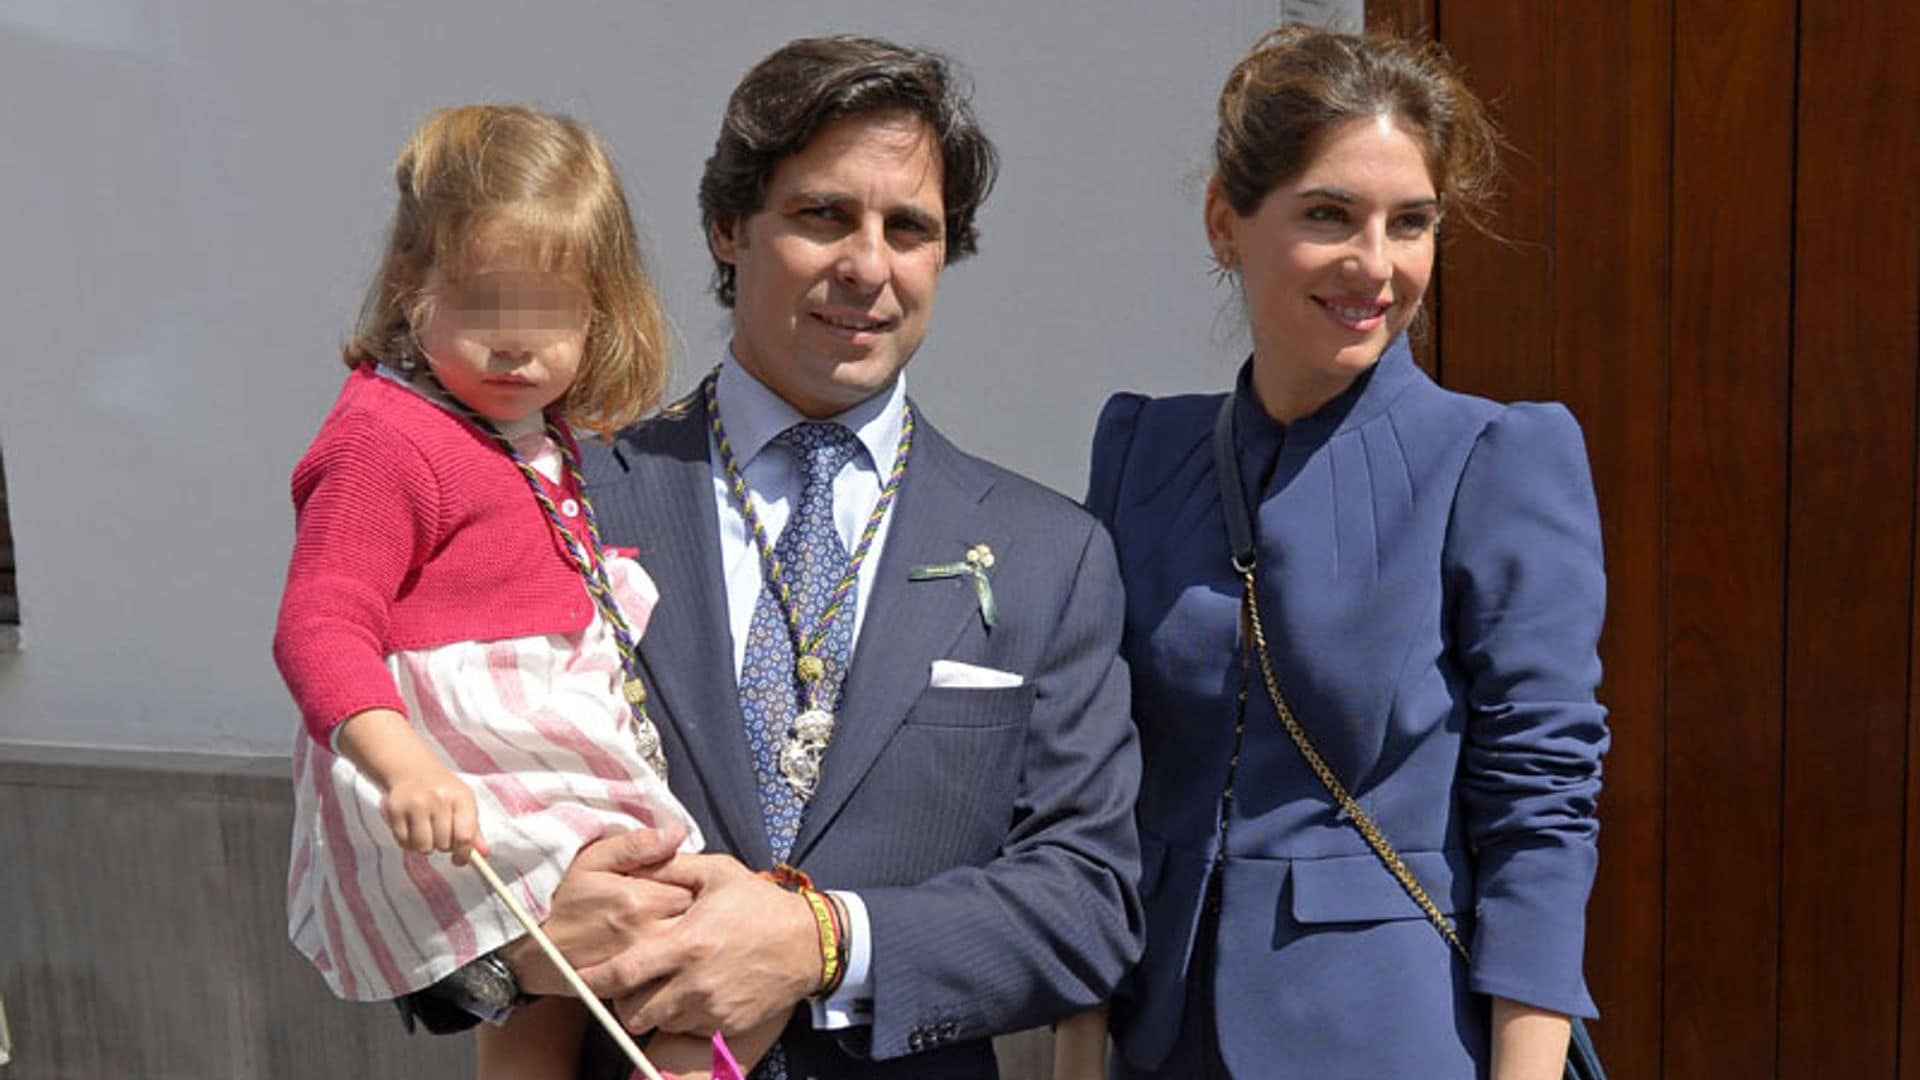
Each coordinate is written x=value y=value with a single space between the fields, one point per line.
x=812 y=560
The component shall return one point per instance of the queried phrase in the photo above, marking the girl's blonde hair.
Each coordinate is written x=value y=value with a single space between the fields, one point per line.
x=545 y=179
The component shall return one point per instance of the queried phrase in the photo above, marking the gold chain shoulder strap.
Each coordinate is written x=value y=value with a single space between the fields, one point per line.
x=1362 y=821
x=1583 y=1062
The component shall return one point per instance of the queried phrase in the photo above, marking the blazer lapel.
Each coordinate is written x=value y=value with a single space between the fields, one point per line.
x=908 y=624
x=687 y=649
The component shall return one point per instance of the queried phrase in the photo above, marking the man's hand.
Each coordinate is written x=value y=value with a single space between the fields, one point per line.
x=601 y=910
x=746 y=951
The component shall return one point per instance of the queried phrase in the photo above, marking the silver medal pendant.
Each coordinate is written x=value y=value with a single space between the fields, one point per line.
x=805 y=745
x=646 y=739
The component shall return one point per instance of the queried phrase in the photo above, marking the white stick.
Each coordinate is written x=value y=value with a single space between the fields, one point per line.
x=587 y=996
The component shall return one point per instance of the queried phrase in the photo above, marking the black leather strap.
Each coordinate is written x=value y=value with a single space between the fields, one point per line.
x=1233 y=496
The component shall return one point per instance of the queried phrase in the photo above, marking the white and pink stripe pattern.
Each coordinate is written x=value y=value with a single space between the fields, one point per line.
x=538 y=729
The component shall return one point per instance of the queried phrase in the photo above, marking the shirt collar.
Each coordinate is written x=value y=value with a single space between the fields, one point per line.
x=1363 y=399
x=754 y=414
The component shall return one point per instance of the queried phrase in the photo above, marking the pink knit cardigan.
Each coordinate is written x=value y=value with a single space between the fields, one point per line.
x=412 y=530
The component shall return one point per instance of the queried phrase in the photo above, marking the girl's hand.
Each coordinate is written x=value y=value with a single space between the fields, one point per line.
x=427 y=806
x=429 y=810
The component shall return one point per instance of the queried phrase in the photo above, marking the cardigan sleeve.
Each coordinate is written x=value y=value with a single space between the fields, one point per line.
x=1527 y=593
x=365 y=513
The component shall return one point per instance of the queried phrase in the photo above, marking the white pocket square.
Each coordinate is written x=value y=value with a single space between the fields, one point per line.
x=955 y=675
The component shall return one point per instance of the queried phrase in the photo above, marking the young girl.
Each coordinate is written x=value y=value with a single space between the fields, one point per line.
x=459 y=641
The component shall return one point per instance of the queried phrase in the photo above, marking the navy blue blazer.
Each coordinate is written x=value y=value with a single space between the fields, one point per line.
x=1431 y=583
x=989 y=832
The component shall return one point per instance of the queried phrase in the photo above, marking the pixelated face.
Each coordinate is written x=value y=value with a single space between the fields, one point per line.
x=836 y=273
x=507 y=336
x=1333 y=262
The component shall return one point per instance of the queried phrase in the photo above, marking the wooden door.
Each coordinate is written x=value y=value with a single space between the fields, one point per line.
x=1710 y=252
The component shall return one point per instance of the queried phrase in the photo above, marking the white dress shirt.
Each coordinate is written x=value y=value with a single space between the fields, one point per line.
x=753 y=415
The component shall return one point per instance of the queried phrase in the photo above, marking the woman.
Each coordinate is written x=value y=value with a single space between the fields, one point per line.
x=1429 y=583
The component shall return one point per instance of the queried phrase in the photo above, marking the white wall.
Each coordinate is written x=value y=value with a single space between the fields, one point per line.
x=193 y=192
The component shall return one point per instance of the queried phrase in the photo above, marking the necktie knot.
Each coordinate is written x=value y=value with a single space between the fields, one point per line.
x=822 y=449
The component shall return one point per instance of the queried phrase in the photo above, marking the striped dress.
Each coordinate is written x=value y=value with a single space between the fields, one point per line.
x=537 y=728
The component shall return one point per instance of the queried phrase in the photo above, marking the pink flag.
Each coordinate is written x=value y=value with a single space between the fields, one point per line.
x=724 y=1066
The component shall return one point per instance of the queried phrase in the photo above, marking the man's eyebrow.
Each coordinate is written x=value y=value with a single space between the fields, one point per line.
x=819 y=198
x=930 y=222
x=908 y=211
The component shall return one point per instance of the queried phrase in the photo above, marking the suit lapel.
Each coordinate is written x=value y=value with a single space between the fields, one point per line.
x=687 y=649
x=908 y=624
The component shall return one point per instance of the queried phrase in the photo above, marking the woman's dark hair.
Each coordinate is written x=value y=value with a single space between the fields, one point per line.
x=808 y=84
x=1298 y=84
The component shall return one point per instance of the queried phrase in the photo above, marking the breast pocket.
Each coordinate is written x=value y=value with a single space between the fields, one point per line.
x=953 y=707
x=958 y=751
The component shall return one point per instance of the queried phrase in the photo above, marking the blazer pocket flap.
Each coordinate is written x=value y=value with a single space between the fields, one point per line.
x=1359 y=888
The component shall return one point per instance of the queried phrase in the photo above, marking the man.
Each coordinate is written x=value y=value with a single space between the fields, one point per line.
x=929 y=719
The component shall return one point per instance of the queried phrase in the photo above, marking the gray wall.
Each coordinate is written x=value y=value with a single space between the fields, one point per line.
x=193 y=194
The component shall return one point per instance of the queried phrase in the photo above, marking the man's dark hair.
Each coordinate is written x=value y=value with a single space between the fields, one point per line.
x=808 y=84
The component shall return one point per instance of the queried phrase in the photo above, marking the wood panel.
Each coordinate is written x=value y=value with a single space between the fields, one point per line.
x=1904 y=97
x=1726 y=581
x=1910 y=945
x=1497 y=321
x=1612 y=90
x=1850 y=539
x=1414 y=18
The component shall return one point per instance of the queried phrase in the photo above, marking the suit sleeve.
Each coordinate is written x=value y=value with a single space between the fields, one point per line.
x=1528 y=594
x=364 y=505
x=1048 y=926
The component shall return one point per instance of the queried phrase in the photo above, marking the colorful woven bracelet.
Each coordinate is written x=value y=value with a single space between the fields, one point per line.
x=790 y=878
x=842 y=938
x=830 y=970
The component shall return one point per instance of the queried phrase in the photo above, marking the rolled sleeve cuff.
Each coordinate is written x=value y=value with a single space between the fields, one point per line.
x=1529 y=941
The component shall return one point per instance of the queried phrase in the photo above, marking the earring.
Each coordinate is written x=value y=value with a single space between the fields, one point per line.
x=405 y=360
x=1224 y=264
